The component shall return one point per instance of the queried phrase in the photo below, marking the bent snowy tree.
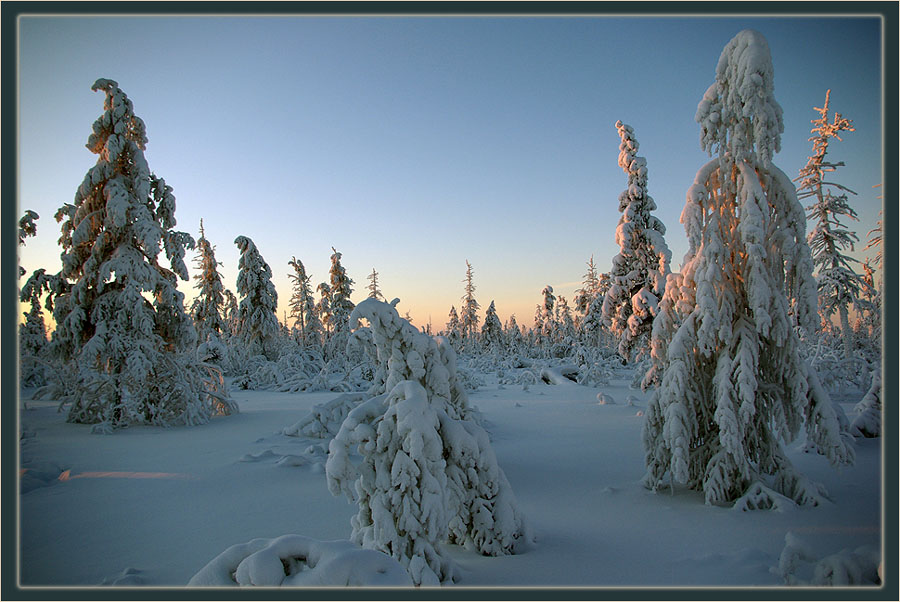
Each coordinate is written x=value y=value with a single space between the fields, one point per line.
x=733 y=385
x=428 y=474
x=123 y=338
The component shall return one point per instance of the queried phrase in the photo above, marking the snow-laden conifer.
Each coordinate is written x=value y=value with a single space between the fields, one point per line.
x=589 y=288
x=123 y=335
x=340 y=307
x=307 y=326
x=734 y=386
x=453 y=329
x=373 y=289
x=638 y=274
x=206 y=309
x=492 y=331
x=258 y=326
x=33 y=332
x=468 y=318
x=839 y=285
x=427 y=473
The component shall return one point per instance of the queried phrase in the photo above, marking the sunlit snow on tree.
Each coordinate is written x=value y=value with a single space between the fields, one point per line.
x=734 y=386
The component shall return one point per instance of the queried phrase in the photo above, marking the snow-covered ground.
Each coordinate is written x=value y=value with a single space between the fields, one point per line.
x=149 y=506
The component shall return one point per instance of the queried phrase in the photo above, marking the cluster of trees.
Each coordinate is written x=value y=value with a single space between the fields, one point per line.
x=725 y=343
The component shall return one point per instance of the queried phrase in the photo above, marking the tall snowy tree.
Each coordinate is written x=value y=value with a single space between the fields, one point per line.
x=303 y=306
x=838 y=284
x=258 y=326
x=734 y=386
x=122 y=331
x=639 y=270
x=207 y=307
x=468 y=320
x=374 y=291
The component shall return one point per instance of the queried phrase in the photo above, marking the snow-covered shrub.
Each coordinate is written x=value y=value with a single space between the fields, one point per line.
x=733 y=385
x=801 y=565
x=324 y=420
x=297 y=561
x=867 y=422
x=427 y=473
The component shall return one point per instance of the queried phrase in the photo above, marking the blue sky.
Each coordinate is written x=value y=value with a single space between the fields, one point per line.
x=414 y=144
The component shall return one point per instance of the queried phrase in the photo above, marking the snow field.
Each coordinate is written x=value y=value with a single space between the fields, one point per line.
x=575 y=467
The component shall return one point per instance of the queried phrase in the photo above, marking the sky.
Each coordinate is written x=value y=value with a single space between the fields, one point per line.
x=414 y=144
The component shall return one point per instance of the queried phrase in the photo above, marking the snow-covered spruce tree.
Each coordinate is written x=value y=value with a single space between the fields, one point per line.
x=733 y=385
x=839 y=286
x=639 y=270
x=492 y=331
x=593 y=332
x=427 y=473
x=453 y=331
x=468 y=319
x=323 y=308
x=589 y=288
x=206 y=309
x=548 y=326
x=374 y=291
x=258 y=327
x=340 y=307
x=33 y=332
x=307 y=326
x=123 y=336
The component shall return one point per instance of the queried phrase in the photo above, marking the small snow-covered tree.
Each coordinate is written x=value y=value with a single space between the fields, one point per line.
x=323 y=307
x=122 y=332
x=307 y=326
x=453 y=334
x=340 y=307
x=468 y=319
x=548 y=325
x=733 y=385
x=258 y=327
x=374 y=291
x=589 y=288
x=839 y=286
x=427 y=473
x=492 y=331
x=33 y=332
x=639 y=271
x=207 y=307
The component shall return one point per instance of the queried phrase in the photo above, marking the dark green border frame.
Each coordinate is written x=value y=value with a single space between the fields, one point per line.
x=9 y=213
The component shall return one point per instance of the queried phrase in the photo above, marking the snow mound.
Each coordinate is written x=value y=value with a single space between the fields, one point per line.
x=298 y=561
x=129 y=577
x=760 y=497
x=605 y=399
x=39 y=474
x=324 y=420
x=799 y=564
